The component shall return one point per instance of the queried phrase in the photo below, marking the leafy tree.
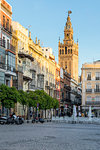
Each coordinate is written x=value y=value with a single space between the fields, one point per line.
x=13 y=96
x=46 y=101
x=23 y=100
x=33 y=99
x=8 y=96
x=55 y=103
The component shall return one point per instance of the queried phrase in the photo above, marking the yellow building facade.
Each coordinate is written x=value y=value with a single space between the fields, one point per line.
x=91 y=86
x=68 y=51
x=38 y=63
x=44 y=64
x=35 y=66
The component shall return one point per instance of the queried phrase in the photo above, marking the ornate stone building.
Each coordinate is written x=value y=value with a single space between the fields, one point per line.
x=91 y=87
x=68 y=51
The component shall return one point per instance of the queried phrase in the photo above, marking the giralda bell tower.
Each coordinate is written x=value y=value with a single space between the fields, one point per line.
x=68 y=50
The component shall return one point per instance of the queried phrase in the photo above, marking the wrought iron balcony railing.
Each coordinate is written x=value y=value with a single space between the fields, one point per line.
x=10 y=68
x=7 y=27
x=88 y=90
x=7 y=67
x=92 y=102
x=2 y=66
x=7 y=45
x=97 y=90
x=88 y=78
x=97 y=78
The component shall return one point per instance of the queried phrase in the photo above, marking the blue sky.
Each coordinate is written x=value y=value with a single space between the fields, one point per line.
x=48 y=17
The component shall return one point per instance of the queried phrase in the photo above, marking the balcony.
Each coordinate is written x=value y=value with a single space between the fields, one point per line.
x=46 y=84
x=10 y=68
x=97 y=90
x=92 y=102
x=88 y=78
x=88 y=90
x=6 y=27
x=67 y=87
x=7 y=45
x=52 y=57
x=7 y=67
x=24 y=54
x=97 y=78
x=27 y=75
x=2 y=66
x=11 y=71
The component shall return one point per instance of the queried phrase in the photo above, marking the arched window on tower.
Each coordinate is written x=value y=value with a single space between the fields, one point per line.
x=62 y=51
x=65 y=50
x=71 y=51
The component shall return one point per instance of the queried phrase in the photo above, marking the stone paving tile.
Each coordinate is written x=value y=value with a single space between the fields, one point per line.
x=50 y=136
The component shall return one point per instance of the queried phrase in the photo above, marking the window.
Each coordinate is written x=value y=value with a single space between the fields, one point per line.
x=4 y=44
x=10 y=61
x=40 y=81
x=7 y=25
x=88 y=85
x=89 y=98
x=2 y=77
x=65 y=50
x=62 y=51
x=69 y=51
x=97 y=87
x=8 y=46
x=4 y=21
x=2 y=57
x=62 y=95
x=97 y=98
x=89 y=76
x=97 y=75
x=33 y=83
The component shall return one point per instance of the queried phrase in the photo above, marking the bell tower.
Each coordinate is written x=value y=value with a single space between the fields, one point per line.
x=68 y=50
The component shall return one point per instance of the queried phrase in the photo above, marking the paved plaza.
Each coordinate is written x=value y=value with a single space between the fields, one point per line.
x=50 y=136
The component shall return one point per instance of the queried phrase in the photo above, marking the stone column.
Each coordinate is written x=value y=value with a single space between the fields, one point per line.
x=89 y=114
x=74 y=113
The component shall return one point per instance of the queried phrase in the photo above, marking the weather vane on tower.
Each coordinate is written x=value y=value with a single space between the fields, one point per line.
x=69 y=12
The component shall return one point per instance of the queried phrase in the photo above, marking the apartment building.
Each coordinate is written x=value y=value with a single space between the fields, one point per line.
x=91 y=86
x=7 y=51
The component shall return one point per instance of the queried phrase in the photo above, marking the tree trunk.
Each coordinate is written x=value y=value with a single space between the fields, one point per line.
x=24 y=111
x=45 y=113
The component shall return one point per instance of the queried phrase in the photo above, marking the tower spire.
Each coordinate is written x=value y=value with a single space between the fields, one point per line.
x=59 y=40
